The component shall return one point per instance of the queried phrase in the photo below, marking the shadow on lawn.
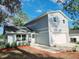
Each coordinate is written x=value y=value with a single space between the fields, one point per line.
x=23 y=55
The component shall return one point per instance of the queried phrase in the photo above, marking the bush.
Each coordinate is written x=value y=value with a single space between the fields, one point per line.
x=27 y=44
x=14 y=44
x=18 y=44
x=77 y=42
x=7 y=45
x=1 y=36
x=22 y=43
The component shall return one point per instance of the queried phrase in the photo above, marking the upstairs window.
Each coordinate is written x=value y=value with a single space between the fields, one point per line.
x=63 y=21
x=55 y=19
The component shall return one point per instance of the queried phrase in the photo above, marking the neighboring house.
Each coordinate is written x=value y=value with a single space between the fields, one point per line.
x=51 y=28
x=17 y=34
x=74 y=36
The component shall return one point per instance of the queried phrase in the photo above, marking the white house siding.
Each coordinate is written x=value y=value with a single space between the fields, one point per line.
x=41 y=27
x=59 y=34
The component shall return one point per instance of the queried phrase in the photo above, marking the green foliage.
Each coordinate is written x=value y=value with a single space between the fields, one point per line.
x=13 y=6
x=72 y=7
x=1 y=36
x=75 y=28
x=20 y=19
x=7 y=45
x=14 y=44
x=19 y=44
x=77 y=42
x=2 y=46
x=27 y=44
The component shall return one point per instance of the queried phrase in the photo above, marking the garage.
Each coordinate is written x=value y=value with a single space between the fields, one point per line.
x=42 y=38
x=60 y=38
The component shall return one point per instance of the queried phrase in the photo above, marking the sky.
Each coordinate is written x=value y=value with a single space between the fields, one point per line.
x=35 y=8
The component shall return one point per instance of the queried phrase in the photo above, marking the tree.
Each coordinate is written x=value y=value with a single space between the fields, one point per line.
x=8 y=8
x=76 y=25
x=72 y=7
x=20 y=19
x=11 y=5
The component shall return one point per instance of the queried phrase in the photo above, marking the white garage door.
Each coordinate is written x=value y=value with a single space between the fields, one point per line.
x=60 y=38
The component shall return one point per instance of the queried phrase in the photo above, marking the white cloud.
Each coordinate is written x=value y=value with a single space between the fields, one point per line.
x=39 y=10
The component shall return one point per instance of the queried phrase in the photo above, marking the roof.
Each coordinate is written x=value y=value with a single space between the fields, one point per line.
x=73 y=31
x=57 y=11
x=16 y=29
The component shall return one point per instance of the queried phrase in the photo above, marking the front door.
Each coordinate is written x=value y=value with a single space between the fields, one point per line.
x=10 y=39
x=32 y=38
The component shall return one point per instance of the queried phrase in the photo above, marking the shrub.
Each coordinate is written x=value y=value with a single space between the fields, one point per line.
x=27 y=44
x=77 y=42
x=14 y=44
x=19 y=44
x=7 y=45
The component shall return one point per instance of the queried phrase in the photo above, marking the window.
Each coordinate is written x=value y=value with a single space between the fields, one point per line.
x=63 y=21
x=55 y=19
x=73 y=40
x=23 y=37
x=18 y=37
x=33 y=36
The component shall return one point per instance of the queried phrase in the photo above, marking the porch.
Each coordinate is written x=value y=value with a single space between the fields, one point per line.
x=20 y=38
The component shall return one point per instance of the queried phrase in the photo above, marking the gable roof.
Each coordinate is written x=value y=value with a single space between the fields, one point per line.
x=45 y=14
x=15 y=29
x=59 y=11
